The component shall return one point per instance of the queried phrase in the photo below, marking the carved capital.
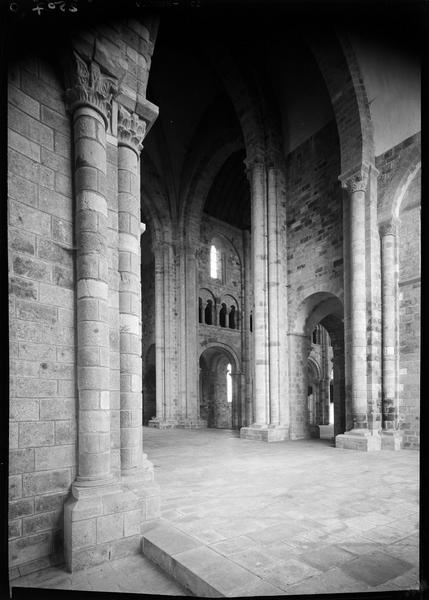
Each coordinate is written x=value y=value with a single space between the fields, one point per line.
x=356 y=181
x=255 y=162
x=388 y=228
x=88 y=86
x=131 y=129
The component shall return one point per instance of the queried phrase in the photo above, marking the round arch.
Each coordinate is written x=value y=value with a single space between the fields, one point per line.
x=219 y=390
x=341 y=72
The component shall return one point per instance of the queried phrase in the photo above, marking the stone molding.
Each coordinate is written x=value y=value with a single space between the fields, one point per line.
x=131 y=130
x=389 y=228
x=90 y=87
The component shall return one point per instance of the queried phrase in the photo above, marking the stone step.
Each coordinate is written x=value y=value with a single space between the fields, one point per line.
x=199 y=568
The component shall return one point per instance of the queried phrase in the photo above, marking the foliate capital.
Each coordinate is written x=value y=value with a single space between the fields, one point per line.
x=355 y=181
x=131 y=129
x=388 y=228
x=90 y=87
x=254 y=162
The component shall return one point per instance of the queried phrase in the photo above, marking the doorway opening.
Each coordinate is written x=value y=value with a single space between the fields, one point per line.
x=219 y=389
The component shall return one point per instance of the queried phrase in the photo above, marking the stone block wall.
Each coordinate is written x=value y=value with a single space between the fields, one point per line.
x=42 y=315
x=314 y=218
x=390 y=164
x=315 y=250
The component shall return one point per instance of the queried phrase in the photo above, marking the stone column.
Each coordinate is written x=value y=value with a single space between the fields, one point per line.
x=261 y=384
x=246 y=335
x=360 y=437
x=102 y=518
x=267 y=386
x=298 y=385
x=89 y=97
x=338 y=387
x=391 y=436
x=89 y=127
x=166 y=390
x=131 y=131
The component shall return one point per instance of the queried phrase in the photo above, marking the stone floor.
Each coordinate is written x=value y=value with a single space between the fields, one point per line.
x=134 y=574
x=302 y=516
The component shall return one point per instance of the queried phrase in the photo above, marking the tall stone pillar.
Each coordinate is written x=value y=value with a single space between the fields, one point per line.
x=267 y=386
x=89 y=127
x=360 y=436
x=131 y=131
x=391 y=436
x=102 y=520
x=165 y=340
x=246 y=334
x=300 y=348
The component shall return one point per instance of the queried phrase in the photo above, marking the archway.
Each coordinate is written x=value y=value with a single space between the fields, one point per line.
x=318 y=367
x=219 y=389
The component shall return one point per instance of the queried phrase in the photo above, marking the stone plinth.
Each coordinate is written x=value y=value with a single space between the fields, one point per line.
x=265 y=433
x=358 y=439
x=162 y=423
x=391 y=440
x=191 y=423
x=104 y=522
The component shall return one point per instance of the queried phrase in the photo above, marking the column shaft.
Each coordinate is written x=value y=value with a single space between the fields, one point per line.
x=159 y=334
x=261 y=384
x=273 y=300
x=358 y=309
x=389 y=327
x=92 y=297
x=130 y=308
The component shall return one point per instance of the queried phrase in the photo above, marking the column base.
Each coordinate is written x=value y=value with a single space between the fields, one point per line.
x=358 y=439
x=314 y=431
x=391 y=439
x=326 y=432
x=193 y=423
x=106 y=522
x=159 y=423
x=265 y=433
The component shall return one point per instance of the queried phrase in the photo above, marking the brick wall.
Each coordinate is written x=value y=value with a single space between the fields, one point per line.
x=42 y=315
x=314 y=218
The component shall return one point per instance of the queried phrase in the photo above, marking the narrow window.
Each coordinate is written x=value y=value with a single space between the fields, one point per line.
x=222 y=315
x=208 y=312
x=232 y=317
x=228 y=383
x=213 y=262
x=251 y=321
x=200 y=310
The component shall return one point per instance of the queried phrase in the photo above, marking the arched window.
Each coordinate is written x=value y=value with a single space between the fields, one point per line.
x=200 y=310
x=208 y=313
x=222 y=315
x=228 y=383
x=214 y=262
x=232 y=317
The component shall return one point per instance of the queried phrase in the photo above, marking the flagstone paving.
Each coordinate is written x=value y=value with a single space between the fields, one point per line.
x=299 y=517
x=302 y=516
